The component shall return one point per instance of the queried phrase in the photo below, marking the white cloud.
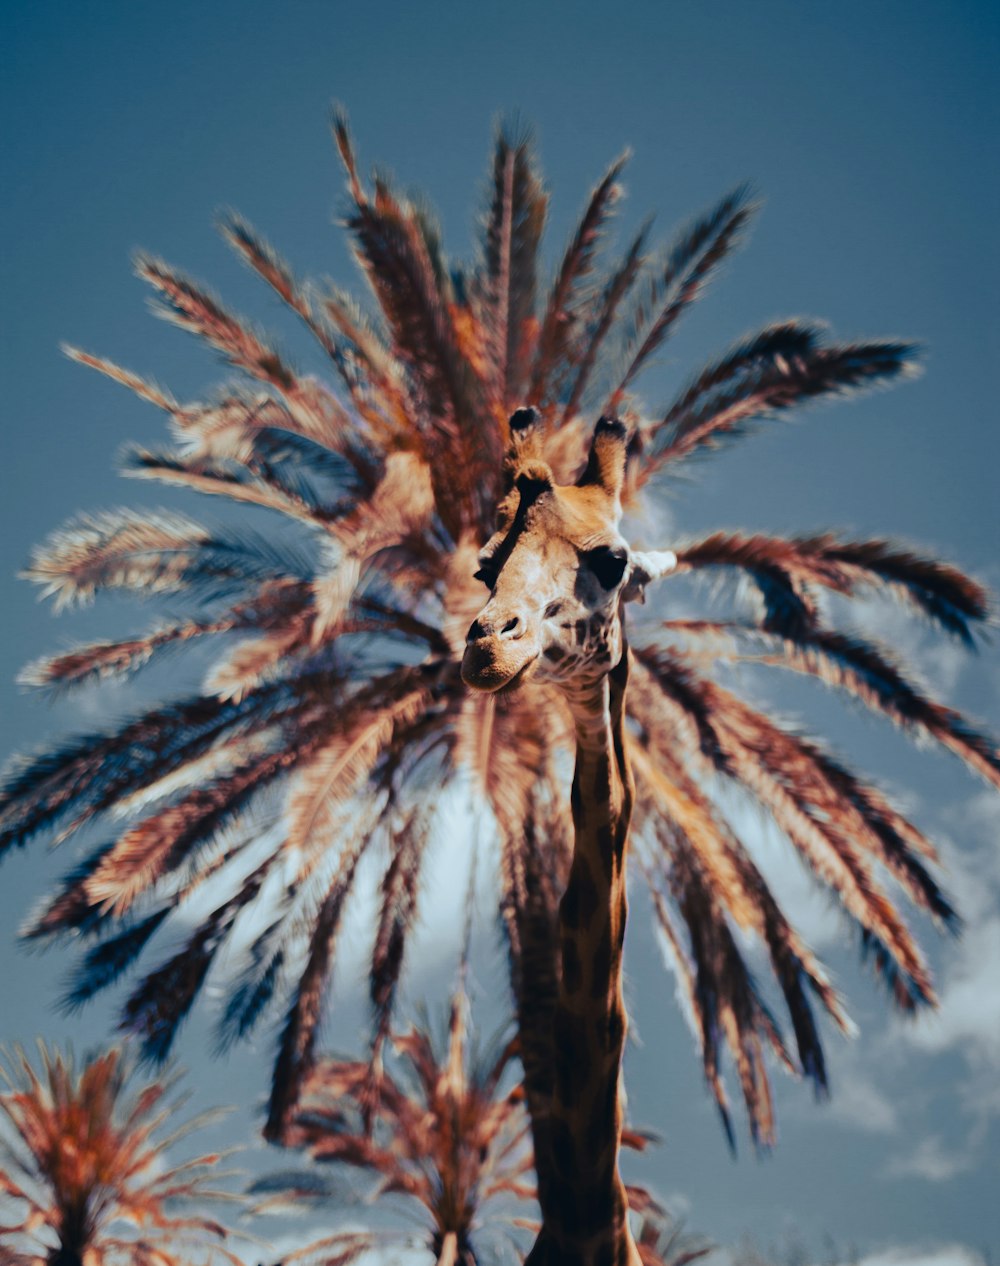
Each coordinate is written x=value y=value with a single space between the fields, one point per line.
x=969 y=1014
x=858 y=1102
x=946 y=1255
x=933 y=1161
x=932 y=660
x=968 y=1018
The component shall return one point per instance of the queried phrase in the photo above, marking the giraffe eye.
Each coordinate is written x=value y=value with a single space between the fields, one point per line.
x=607 y=564
x=486 y=574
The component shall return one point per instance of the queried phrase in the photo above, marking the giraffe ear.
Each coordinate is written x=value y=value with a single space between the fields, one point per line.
x=647 y=567
x=608 y=453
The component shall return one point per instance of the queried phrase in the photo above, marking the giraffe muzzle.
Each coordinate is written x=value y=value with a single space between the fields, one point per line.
x=498 y=652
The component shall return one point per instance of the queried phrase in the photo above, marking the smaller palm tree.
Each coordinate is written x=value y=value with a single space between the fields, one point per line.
x=83 y=1174
x=441 y=1124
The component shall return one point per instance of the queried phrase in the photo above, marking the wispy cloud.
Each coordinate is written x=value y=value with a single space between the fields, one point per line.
x=859 y=1103
x=968 y=1019
x=904 y=1255
x=933 y=1161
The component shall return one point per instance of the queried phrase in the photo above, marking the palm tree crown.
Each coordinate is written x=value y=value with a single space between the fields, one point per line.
x=442 y=1126
x=444 y=1130
x=334 y=711
x=83 y=1171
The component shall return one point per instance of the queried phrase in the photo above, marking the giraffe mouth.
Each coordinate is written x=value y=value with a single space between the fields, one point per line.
x=518 y=680
x=485 y=671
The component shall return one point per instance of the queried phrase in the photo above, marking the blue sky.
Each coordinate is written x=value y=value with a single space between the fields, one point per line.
x=869 y=130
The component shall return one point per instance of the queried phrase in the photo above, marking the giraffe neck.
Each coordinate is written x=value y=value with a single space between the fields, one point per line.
x=584 y=1207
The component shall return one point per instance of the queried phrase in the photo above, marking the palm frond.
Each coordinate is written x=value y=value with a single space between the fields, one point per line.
x=109 y=959
x=768 y=388
x=725 y=999
x=157 y=552
x=794 y=966
x=690 y=263
x=159 y=844
x=392 y=251
x=939 y=591
x=92 y=772
x=781 y=773
x=298 y=1037
x=252 y=993
x=557 y=327
x=870 y=673
x=103 y=660
x=616 y=290
x=142 y=387
x=511 y=236
x=155 y=1010
x=397 y=913
x=193 y=309
x=261 y=256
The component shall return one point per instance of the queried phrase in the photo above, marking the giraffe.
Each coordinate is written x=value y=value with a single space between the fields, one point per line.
x=558 y=571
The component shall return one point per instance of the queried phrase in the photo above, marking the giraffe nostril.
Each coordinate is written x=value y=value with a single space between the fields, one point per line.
x=476 y=632
x=513 y=628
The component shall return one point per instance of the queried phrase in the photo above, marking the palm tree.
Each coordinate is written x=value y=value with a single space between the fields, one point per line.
x=443 y=1127
x=83 y=1171
x=333 y=719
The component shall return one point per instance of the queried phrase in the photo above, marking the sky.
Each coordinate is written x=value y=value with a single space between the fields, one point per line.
x=869 y=132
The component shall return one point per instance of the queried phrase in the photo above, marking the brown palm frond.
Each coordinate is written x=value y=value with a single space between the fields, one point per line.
x=256 y=659
x=663 y=1241
x=376 y=380
x=155 y=552
x=92 y=773
x=99 y=661
x=869 y=673
x=155 y=1010
x=214 y=479
x=381 y=375
x=767 y=390
x=940 y=591
x=159 y=844
x=774 y=345
x=615 y=292
x=392 y=251
x=725 y=1002
x=142 y=387
x=783 y=775
x=358 y=736
x=296 y=1047
x=689 y=265
x=102 y=660
x=119 y=549
x=793 y=964
x=512 y=233
x=195 y=310
x=397 y=913
x=187 y=305
x=89 y=1158
x=557 y=326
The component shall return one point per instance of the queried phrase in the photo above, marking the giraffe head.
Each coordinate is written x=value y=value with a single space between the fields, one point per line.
x=557 y=568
